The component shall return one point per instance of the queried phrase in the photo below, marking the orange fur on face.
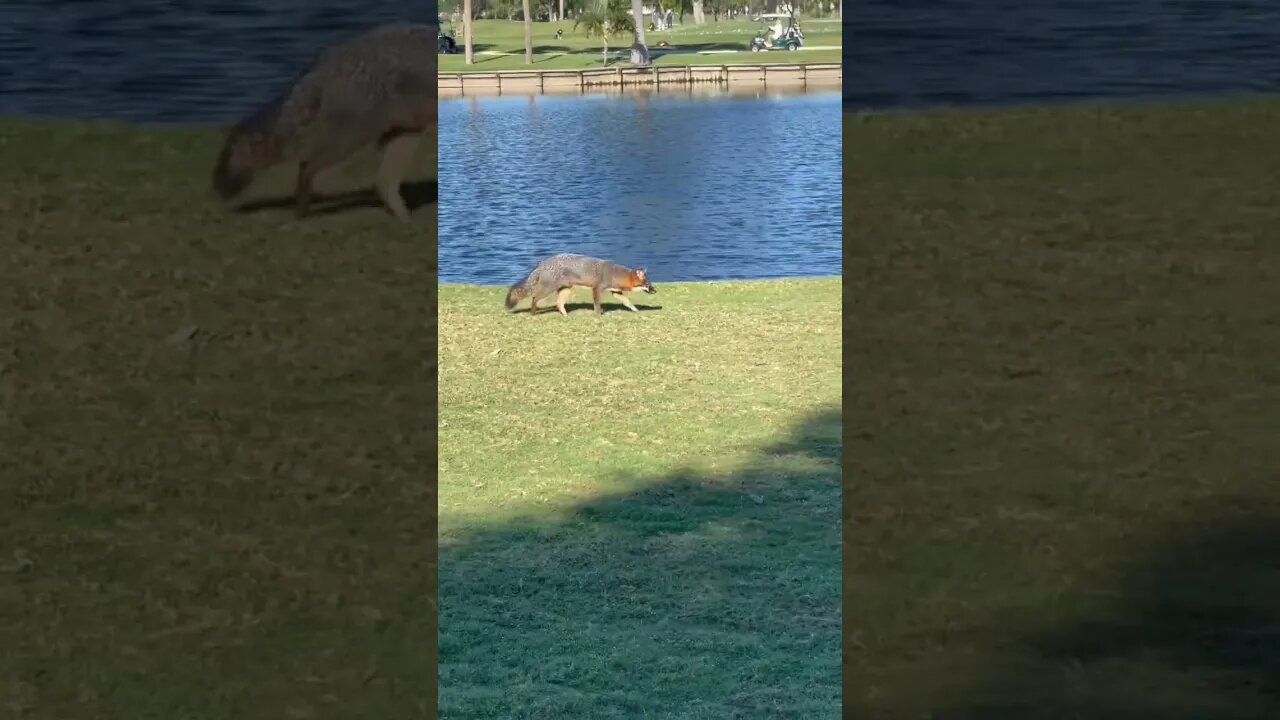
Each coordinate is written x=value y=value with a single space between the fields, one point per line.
x=639 y=279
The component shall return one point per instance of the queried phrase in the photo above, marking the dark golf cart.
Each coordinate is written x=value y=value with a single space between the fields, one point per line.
x=445 y=42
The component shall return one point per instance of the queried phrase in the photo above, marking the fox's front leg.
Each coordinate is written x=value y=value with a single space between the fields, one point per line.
x=397 y=152
x=302 y=190
x=595 y=297
x=625 y=300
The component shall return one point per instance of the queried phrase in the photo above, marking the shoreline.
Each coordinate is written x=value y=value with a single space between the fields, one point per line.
x=576 y=81
x=797 y=278
x=657 y=52
x=1155 y=99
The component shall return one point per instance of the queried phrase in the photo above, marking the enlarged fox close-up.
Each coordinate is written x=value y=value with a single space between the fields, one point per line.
x=377 y=87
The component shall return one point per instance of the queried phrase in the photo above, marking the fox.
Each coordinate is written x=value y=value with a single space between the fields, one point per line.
x=560 y=274
x=378 y=86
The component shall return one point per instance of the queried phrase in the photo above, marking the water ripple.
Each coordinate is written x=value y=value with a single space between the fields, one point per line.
x=155 y=61
x=903 y=53
x=692 y=187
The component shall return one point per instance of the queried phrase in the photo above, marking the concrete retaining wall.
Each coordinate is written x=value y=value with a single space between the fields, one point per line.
x=523 y=82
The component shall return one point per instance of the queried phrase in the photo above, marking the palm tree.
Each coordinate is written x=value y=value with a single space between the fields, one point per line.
x=604 y=20
x=528 y=34
x=637 y=12
x=466 y=30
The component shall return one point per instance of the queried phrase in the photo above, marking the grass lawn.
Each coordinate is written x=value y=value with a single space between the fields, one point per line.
x=639 y=513
x=1062 y=493
x=216 y=482
x=499 y=45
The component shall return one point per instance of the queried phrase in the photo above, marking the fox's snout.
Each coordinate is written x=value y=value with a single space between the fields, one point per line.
x=234 y=170
x=640 y=280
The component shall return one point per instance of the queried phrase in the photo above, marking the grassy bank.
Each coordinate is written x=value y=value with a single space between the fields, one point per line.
x=638 y=513
x=1062 y=496
x=217 y=453
x=499 y=45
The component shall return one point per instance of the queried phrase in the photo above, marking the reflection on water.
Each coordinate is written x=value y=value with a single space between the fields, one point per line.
x=693 y=184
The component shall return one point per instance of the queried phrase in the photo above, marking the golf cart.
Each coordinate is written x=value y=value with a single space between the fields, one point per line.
x=444 y=39
x=782 y=33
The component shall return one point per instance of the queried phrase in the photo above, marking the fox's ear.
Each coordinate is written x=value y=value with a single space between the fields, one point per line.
x=641 y=272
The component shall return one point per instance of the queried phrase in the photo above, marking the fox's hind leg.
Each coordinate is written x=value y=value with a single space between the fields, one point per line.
x=397 y=150
x=561 y=298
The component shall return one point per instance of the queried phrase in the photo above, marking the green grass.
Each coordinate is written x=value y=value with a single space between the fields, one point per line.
x=499 y=45
x=216 y=482
x=1062 y=496
x=602 y=554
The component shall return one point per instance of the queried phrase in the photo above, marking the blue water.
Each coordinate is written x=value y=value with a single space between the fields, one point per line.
x=215 y=59
x=690 y=186
x=907 y=53
x=171 y=60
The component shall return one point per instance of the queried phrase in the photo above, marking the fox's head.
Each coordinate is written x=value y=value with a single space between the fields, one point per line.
x=235 y=168
x=640 y=280
x=250 y=147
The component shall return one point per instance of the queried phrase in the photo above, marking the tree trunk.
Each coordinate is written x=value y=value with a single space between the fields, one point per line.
x=699 y=17
x=637 y=9
x=528 y=34
x=562 y=9
x=466 y=30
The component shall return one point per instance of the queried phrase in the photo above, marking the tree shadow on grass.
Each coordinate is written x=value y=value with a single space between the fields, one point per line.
x=482 y=59
x=416 y=194
x=1195 y=634
x=713 y=595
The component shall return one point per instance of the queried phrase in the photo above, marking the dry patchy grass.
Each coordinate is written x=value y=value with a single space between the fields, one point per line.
x=1062 y=496
x=218 y=444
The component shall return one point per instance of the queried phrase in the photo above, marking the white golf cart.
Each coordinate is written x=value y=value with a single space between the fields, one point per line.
x=782 y=33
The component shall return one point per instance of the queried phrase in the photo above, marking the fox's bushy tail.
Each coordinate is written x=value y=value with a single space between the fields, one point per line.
x=518 y=291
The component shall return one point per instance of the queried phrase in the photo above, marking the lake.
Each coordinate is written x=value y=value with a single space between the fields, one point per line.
x=910 y=53
x=691 y=185
x=201 y=60
x=185 y=60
